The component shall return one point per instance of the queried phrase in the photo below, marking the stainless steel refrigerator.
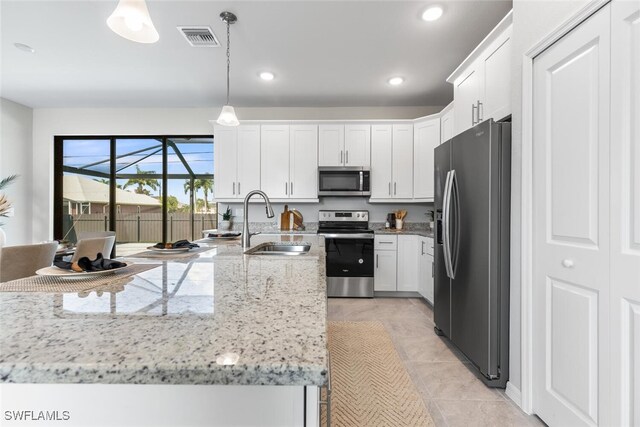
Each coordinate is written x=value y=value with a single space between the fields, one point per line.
x=472 y=203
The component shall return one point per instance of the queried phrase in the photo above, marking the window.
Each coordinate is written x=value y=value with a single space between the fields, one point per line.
x=146 y=189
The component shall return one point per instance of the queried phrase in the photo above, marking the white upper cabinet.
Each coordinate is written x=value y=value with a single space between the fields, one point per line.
x=466 y=93
x=391 y=162
x=236 y=161
x=331 y=145
x=381 y=167
x=357 y=145
x=344 y=145
x=275 y=161
x=403 y=161
x=248 y=159
x=447 y=126
x=481 y=84
x=426 y=137
x=303 y=162
x=289 y=165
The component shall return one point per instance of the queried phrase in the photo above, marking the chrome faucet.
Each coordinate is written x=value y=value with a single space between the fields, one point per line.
x=246 y=236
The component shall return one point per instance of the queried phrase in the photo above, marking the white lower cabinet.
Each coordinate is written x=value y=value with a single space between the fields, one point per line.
x=404 y=263
x=425 y=268
x=408 y=263
x=385 y=252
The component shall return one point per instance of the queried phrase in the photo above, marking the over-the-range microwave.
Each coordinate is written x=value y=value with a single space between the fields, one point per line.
x=344 y=181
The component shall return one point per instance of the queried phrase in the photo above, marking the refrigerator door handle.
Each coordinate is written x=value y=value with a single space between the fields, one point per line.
x=446 y=213
x=453 y=260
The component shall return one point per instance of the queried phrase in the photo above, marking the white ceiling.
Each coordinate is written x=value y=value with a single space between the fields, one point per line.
x=324 y=53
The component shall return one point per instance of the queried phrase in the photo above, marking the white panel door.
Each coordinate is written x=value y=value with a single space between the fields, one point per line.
x=384 y=274
x=447 y=126
x=381 y=155
x=466 y=95
x=248 y=159
x=496 y=76
x=408 y=263
x=304 y=162
x=426 y=137
x=402 y=161
x=331 y=145
x=357 y=145
x=571 y=227
x=274 y=165
x=225 y=164
x=625 y=210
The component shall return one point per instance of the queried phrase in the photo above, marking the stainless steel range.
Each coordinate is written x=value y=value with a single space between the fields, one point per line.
x=349 y=246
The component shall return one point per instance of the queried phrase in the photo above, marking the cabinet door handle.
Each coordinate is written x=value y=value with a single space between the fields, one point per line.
x=239 y=188
x=377 y=263
x=389 y=188
x=292 y=188
x=422 y=248
x=480 y=105
x=286 y=189
x=395 y=188
x=234 y=188
x=433 y=268
x=341 y=156
x=473 y=114
x=386 y=243
x=347 y=157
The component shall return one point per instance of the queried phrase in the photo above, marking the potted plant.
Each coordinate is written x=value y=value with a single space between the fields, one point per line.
x=6 y=210
x=226 y=224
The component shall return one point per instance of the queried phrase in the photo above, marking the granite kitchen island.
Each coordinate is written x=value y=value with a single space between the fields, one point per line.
x=220 y=338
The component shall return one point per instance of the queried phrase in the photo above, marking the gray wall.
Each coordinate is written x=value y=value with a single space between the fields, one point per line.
x=16 y=136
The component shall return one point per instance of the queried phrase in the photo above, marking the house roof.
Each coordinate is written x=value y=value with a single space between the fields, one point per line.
x=79 y=189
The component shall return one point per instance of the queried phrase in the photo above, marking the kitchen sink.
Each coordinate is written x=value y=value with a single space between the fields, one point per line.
x=274 y=248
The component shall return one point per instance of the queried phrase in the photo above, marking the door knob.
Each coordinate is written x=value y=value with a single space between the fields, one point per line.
x=567 y=263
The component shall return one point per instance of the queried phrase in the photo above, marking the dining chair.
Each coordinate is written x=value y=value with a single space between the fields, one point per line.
x=21 y=261
x=93 y=234
x=91 y=247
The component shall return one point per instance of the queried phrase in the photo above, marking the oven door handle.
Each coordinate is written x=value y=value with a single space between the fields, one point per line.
x=369 y=236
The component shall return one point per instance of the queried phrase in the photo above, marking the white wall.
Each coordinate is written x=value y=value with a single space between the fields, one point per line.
x=49 y=122
x=532 y=21
x=16 y=125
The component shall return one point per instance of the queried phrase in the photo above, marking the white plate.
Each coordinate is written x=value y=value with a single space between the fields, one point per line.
x=168 y=251
x=70 y=274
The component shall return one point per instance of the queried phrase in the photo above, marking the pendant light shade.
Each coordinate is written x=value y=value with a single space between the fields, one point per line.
x=131 y=20
x=228 y=114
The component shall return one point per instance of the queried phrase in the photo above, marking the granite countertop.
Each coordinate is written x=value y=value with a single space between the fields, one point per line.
x=172 y=324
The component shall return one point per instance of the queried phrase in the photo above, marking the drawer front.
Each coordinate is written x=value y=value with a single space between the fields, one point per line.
x=385 y=242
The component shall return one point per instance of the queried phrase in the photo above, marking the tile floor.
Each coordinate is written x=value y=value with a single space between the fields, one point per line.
x=453 y=395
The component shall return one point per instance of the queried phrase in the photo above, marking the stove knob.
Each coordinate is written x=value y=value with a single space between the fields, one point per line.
x=358 y=215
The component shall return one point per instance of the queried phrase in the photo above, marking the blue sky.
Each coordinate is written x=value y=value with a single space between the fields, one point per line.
x=80 y=153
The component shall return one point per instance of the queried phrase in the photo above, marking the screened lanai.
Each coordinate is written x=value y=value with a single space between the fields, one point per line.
x=146 y=189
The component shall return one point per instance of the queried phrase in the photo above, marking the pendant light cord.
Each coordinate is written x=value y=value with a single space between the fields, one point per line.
x=228 y=59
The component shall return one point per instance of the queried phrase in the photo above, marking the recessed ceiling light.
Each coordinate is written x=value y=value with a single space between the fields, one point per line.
x=24 y=47
x=395 y=81
x=432 y=13
x=265 y=75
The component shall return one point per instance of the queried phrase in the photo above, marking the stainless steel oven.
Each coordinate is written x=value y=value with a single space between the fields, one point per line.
x=349 y=249
x=344 y=181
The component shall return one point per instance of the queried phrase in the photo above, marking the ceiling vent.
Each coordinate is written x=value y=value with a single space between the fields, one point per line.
x=199 y=36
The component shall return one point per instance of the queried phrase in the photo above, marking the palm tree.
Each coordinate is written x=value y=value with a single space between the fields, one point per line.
x=206 y=185
x=142 y=182
x=106 y=182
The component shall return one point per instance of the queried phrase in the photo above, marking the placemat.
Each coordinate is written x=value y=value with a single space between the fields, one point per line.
x=54 y=284
x=175 y=255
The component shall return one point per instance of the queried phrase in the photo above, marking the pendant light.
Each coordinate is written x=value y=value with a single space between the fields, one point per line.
x=228 y=114
x=131 y=20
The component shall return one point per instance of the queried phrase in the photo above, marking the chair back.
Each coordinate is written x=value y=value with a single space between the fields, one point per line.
x=17 y=262
x=93 y=234
x=91 y=247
